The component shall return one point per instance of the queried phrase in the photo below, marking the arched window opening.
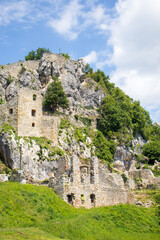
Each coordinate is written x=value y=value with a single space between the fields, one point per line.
x=93 y=200
x=71 y=198
x=82 y=198
x=11 y=111
x=34 y=97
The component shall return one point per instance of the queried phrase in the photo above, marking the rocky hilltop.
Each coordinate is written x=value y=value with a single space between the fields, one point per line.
x=60 y=148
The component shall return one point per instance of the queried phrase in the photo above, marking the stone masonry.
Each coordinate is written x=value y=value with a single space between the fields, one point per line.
x=88 y=185
x=24 y=113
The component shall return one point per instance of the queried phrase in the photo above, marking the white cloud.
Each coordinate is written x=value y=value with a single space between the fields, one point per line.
x=135 y=36
x=67 y=22
x=11 y=11
x=68 y=18
x=28 y=11
x=91 y=57
x=77 y=17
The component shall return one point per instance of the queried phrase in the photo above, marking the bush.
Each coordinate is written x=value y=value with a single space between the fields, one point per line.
x=156 y=171
x=86 y=121
x=104 y=149
x=124 y=177
x=76 y=116
x=65 y=55
x=36 y=55
x=64 y=123
x=152 y=150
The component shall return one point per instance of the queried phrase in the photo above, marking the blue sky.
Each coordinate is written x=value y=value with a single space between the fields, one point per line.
x=121 y=37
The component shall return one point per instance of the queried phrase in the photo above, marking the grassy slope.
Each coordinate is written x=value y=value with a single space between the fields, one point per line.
x=32 y=212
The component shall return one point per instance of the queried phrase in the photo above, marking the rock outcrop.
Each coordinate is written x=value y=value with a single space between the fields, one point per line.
x=67 y=154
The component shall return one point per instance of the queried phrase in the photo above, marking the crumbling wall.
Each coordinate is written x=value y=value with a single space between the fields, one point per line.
x=29 y=113
x=83 y=185
x=50 y=127
x=8 y=113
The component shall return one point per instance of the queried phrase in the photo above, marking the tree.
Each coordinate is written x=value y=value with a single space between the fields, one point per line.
x=35 y=55
x=55 y=97
x=104 y=149
x=152 y=150
x=113 y=116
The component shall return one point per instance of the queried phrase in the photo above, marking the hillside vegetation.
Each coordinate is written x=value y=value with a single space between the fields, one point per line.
x=36 y=212
x=123 y=118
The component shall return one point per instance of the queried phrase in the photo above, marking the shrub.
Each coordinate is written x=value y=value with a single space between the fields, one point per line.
x=64 y=123
x=104 y=149
x=76 y=116
x=152 y=150
x=124 y=177
x=137 y=165
x=9 y=79
x=156 y=171
x=79 y=135
x=35 y=55
x=86 y=121
x=65 y=55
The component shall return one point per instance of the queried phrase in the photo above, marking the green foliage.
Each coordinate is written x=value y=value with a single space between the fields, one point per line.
x=24 y=209
x=140 y=118
x=104 y=149
x=154 y=132
x=64 y=124
x=137 y=165
x=86 y=121
x=79 y=135
x=9 y=79
x=22 y=70
x=36 y=55
x=1 y=66
x=7 y=128
x=1 y=100
x=113 y=116
x=3 y=168
x=59 y=152
x=141 y=158
x=45 y=143
x=76 y=116
x=41 y=141
x=152 y=150
x=67 y=57
x=124 y=177
x=156 y=171
x=157 y=198
x=100 y=78
x=118 y=111
x=55 y=97
x=54 y=77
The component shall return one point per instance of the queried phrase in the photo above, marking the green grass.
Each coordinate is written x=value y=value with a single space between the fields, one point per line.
x=36 y=212
x=25 y=233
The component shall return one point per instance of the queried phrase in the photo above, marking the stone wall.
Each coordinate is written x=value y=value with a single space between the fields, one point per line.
x=9 y=113
x=50 y=127
x=29 y=113
x=88 y=185
x=24 y=113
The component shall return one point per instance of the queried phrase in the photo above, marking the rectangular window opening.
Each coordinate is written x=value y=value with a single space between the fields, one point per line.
x=33 y=113
x=34 y=97
x=33 y=124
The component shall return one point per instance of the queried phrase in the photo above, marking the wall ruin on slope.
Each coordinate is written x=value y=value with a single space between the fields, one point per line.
x=88 y=185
